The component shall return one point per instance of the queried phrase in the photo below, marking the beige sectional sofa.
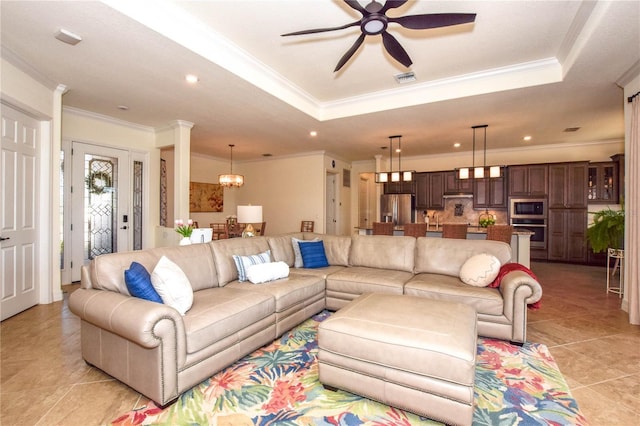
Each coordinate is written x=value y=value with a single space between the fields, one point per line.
x=160 y=353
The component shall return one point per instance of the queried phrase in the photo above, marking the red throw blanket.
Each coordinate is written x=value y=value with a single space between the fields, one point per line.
x=508 y=267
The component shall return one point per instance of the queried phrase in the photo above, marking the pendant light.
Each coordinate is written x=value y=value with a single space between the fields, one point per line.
x=397 y=176
x=479 y=172
x=231 y=180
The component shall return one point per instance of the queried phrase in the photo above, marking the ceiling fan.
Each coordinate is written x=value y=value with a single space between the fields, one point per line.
x=374 y=22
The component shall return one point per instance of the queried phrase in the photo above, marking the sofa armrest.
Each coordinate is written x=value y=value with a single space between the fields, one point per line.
x=140 y=321
x=518 y=290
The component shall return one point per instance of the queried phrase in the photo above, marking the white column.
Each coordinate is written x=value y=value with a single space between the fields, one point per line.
x=182 y=171
x=49 y=188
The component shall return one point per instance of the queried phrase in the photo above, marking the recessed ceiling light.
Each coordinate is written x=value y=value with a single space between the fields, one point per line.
x=123 y=107
x=527 y=138
x=68 y=37
x=313 y=133
x=457 y=145
x=191 y=78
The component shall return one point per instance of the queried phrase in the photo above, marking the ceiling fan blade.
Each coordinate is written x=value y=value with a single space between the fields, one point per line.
x=350 y=52
x=392 y=4
x=395 y=49
x=321 y=30
x=357 y=6
x=433 y=20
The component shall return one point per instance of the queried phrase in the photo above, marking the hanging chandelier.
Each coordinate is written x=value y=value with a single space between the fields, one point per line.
x=231 y=180
x=400 y=175
x=479 y=172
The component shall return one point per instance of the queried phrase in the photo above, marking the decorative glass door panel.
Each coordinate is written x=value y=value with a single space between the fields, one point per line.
x=101 y=194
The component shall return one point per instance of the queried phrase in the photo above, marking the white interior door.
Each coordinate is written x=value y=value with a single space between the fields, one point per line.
x=364 y=212
x=331 y=204
x=100 y=202
x=18 y=212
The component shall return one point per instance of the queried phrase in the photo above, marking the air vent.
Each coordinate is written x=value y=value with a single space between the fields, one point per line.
x=267 y=155
x=404 y=78
x=571 y=129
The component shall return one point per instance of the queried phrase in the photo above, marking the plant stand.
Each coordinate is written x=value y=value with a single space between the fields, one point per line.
x=618 y=255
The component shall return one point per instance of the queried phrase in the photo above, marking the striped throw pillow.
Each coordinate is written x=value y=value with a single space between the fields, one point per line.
x=243 y=262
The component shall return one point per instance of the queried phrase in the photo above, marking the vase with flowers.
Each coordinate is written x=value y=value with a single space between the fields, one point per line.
x=185 y=230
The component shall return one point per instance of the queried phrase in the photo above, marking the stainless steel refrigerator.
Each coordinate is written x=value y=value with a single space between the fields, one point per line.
x=397 y=208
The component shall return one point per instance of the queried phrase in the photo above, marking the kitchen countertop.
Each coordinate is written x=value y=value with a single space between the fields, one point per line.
x=470 y=230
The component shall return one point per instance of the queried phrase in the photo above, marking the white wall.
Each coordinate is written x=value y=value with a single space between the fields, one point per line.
x=289 y=189
x=206 y=169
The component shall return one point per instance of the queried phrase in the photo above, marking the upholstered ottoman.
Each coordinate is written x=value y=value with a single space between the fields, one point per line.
x=412 y=353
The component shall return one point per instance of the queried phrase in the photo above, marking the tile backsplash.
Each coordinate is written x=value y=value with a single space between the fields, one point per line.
x=460 y=210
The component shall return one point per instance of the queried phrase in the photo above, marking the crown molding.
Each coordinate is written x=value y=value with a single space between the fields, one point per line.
x=100 y=117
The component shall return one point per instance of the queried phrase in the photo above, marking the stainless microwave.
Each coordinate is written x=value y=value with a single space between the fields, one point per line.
x=528 y=208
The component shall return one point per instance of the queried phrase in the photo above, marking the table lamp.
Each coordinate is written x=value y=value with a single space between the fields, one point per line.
x=249 y=215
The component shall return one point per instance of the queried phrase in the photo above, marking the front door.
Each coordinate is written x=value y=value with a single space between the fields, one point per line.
x=100 y=200
x=19 y=193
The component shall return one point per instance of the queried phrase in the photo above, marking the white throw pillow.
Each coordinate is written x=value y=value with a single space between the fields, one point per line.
x=480 y=270
x=295 y=242
x=265 y=272
x=172 y=285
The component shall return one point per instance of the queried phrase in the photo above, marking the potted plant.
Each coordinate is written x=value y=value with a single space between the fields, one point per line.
x=607 y=230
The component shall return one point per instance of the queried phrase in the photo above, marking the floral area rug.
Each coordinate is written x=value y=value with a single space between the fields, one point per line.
x=278 y=385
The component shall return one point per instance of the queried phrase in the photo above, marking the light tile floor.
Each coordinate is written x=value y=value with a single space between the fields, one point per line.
x=44 y=380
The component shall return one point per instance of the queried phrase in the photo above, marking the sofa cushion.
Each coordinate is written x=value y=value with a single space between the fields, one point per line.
x=313 y=255
x=480 y=270
x=139 y=283
x=336 y=247
x=317 y=272
x=447 y=255
x=359 y=280
x=287 y=292
x=223 y=251
x=443 y=287
x=172 y=285
x=204 y=276
x=220 y=313
x=383 y=252
x=244 y=262
x=282 y=249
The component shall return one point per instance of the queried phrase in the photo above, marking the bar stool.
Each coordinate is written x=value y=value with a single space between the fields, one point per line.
x=382 y=228
x=415 y=229
x=500 y=233
x=454 y=230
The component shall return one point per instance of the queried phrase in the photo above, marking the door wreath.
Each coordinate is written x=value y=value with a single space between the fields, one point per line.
x=98 y=181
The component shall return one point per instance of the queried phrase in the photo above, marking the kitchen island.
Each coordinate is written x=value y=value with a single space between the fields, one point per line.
x=520 y=240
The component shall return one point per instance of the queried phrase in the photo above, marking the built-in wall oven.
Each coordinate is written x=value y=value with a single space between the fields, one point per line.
x=530 y=214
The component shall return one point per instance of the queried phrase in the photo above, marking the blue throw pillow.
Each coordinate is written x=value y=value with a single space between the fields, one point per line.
x=313 y=255
x=139 y=284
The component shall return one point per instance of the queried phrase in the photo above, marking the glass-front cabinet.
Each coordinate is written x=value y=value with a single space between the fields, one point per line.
x=602 y=183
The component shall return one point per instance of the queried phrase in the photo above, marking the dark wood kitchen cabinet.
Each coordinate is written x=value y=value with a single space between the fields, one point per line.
x=602 y=183
x=453 y=185
x=490 y=193
x=529 y=180
x=566 y=185
x=567 y=240
x=436 y=191
x=429 y=190
x=422 y=190
x=399 y=188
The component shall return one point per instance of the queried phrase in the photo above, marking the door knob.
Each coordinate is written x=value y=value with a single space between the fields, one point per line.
x=4 y=238
x=124 y=227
